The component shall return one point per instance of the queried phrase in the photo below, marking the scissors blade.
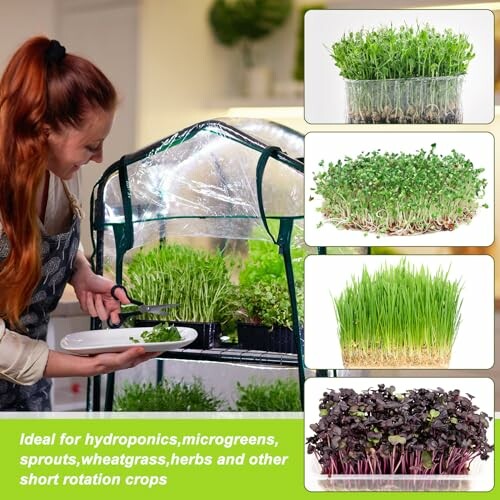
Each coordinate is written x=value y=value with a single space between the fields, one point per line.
x=157 y=309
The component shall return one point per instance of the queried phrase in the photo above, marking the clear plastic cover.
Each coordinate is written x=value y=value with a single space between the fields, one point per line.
x=480 y=478
x=410 y=100
x=289 y=140
x=201 y=182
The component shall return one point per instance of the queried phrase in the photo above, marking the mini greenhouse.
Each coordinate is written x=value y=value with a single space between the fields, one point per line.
x=217 y=182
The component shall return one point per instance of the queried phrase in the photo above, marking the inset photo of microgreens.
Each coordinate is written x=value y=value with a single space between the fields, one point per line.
x=399 y=434
x=399 y=66
x=399 y=189
x=399 y=312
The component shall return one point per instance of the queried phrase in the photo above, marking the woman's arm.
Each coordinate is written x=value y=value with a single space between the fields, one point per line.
x=66 y=365
x=94 y=294
x=24 y=360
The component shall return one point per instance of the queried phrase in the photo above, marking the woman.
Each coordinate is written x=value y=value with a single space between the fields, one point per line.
x=56 y=109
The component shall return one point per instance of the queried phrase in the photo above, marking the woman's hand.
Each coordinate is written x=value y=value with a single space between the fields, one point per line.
x=65 y=365
x=94 y=292
x=111 y=361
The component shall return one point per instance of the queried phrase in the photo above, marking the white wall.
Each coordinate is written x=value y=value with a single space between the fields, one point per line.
x=180 y=67
x=398 y=4
x=183 y=70
x=20 y=20
x=105 y=32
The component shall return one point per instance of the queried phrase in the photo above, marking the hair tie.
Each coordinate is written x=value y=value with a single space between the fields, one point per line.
x=55 y=52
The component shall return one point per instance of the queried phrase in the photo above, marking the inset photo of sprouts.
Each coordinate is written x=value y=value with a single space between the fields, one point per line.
x=399 y=189
x=399 y=312
x=399 y=434
x=399 y=67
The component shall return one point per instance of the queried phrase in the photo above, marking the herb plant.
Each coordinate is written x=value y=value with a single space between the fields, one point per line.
x=403 y=75
x=263 y=290
x=400 y=193
x=167 y=396
x=280 y=395
x=245 y=21
x=197 y=280
x=380 y=431
x=398 y=317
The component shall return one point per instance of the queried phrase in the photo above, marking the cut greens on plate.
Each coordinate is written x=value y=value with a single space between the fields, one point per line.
x=400 y=194
x=121 y=339
x=380 y=431
x=398 y=317
x=159 y=333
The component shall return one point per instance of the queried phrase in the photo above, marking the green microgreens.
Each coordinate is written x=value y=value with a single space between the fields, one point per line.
x=169 y=395
x=197 y=280
x=400 y=193
x=405 y=75
x=398 y=317
x=404 y=52
x=263 y=287
x=280 y=395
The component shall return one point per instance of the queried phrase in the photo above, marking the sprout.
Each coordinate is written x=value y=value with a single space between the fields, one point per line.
x=400 y=193
x=398 y=317
x=404 y=442
x=405 y=75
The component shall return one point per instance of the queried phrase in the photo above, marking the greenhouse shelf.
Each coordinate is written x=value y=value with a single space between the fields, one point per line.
x=234 y=356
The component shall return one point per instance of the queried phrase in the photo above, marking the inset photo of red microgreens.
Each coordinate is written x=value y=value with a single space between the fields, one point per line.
x=399 y=434
x=399 y=189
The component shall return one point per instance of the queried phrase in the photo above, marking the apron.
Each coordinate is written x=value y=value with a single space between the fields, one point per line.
x=58 y=254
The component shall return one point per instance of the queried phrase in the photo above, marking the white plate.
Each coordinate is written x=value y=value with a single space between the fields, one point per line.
x=118 y=340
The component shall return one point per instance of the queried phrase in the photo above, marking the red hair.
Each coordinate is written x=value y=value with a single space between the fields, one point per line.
x=36 y=92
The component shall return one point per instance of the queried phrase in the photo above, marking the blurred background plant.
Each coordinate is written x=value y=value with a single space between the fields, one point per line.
x=245 y=21
x=298 y=70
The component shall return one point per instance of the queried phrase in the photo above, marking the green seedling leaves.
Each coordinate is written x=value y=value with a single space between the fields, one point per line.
x=426 y=459
x=404 y=52
x=394 y=440
x=400 y=193
x=159 y=333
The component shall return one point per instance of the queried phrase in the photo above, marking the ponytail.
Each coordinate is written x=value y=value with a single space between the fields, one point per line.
x=36 y=92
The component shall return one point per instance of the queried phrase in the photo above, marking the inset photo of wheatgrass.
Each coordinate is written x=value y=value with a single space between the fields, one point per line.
x=399 y=66
x=399 y=434
x=399 y=189
x=399 y=312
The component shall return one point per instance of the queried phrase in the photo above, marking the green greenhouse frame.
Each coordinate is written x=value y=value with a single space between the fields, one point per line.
x=124 y=232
